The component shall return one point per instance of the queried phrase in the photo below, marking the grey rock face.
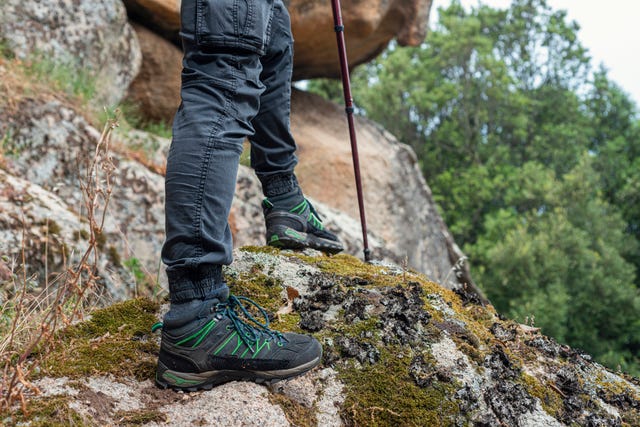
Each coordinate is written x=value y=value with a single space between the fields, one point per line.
x=392 y=341
x=52 y=145
x=39 y=225
x=92 y=35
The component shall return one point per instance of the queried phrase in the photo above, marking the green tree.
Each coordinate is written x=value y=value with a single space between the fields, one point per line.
x=616 y=143
x=533 y=160
x=561 y=261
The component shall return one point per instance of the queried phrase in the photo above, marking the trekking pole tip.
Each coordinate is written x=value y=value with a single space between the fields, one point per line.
x=367 y=255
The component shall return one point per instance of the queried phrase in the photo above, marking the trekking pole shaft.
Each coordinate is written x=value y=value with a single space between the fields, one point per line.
x=348 y=100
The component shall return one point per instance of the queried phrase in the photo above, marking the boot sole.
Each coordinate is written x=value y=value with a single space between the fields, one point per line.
x=287 y=238
x=185 y=381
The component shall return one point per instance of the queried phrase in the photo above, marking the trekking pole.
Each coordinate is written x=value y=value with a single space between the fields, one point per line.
x=348 y=101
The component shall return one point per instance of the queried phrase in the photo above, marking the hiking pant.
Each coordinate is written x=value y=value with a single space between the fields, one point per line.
x=236 y=84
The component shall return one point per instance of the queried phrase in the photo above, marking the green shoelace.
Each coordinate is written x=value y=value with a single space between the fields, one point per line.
x=250 y=330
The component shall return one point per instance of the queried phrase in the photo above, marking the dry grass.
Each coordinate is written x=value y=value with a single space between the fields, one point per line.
x=34 y=319
x=19 y=81
x=37 y=306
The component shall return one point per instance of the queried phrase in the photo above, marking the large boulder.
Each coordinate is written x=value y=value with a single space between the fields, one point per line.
x=89 y=35
x=399 y=350
x=50 y=146
x=52 y=149
x=369 y=26
x=40 y=227
x=162 y=16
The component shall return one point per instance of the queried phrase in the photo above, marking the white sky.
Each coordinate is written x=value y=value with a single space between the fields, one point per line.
x=610 y=30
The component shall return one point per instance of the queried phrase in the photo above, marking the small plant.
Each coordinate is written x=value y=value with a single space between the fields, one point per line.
x=245 y=157
x=135 y=119
x=143 y=278
x=5 y=51
x=161 y=129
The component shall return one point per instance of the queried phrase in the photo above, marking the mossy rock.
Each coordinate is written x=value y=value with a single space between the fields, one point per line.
x=116 y=340
x=404 y=351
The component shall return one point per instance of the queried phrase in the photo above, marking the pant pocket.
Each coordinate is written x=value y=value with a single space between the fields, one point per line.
x=236 y=24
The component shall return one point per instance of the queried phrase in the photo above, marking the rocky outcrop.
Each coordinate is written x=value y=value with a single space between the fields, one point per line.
x=400 y=207
x=52 y=140
x=93 y=37
x=51 y=146
x=370 y=25
x=398 y=350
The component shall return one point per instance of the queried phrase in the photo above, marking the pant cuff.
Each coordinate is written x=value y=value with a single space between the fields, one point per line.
x=275 y=185
x=200 y=283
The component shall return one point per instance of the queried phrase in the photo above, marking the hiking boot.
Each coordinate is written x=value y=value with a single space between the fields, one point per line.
x=212 y=342
x=298 y=228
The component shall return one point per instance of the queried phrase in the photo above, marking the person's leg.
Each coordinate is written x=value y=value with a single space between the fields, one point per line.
x=220 y=95
x=290 y=219
x=205 y=340
x=272 y=146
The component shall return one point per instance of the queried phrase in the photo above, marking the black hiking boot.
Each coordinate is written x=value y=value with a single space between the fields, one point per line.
x=212 y=342
x=298 y=228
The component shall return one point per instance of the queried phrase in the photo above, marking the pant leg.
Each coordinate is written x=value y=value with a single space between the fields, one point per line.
x=220 y=92
x=272 y=146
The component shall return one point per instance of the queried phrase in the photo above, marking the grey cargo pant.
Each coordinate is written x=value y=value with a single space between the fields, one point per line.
x=236 y=84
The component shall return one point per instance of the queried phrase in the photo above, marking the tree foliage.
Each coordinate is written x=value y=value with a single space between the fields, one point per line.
x=534 y=160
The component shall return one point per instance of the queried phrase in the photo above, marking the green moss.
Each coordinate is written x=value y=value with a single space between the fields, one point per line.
x=383 y=394
x=140 y=417
x=261 y=250
x=297 y=414
x=612 y=388
x=53 y=228
x=360 y=328
x=116 y=340
x=472 y=352
x=618 y=393
x=101 y=239
x=287 y=323
x=45 y=412
x=263 y=289
x=550 y=399
x=353 y=268
x=114 y=256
